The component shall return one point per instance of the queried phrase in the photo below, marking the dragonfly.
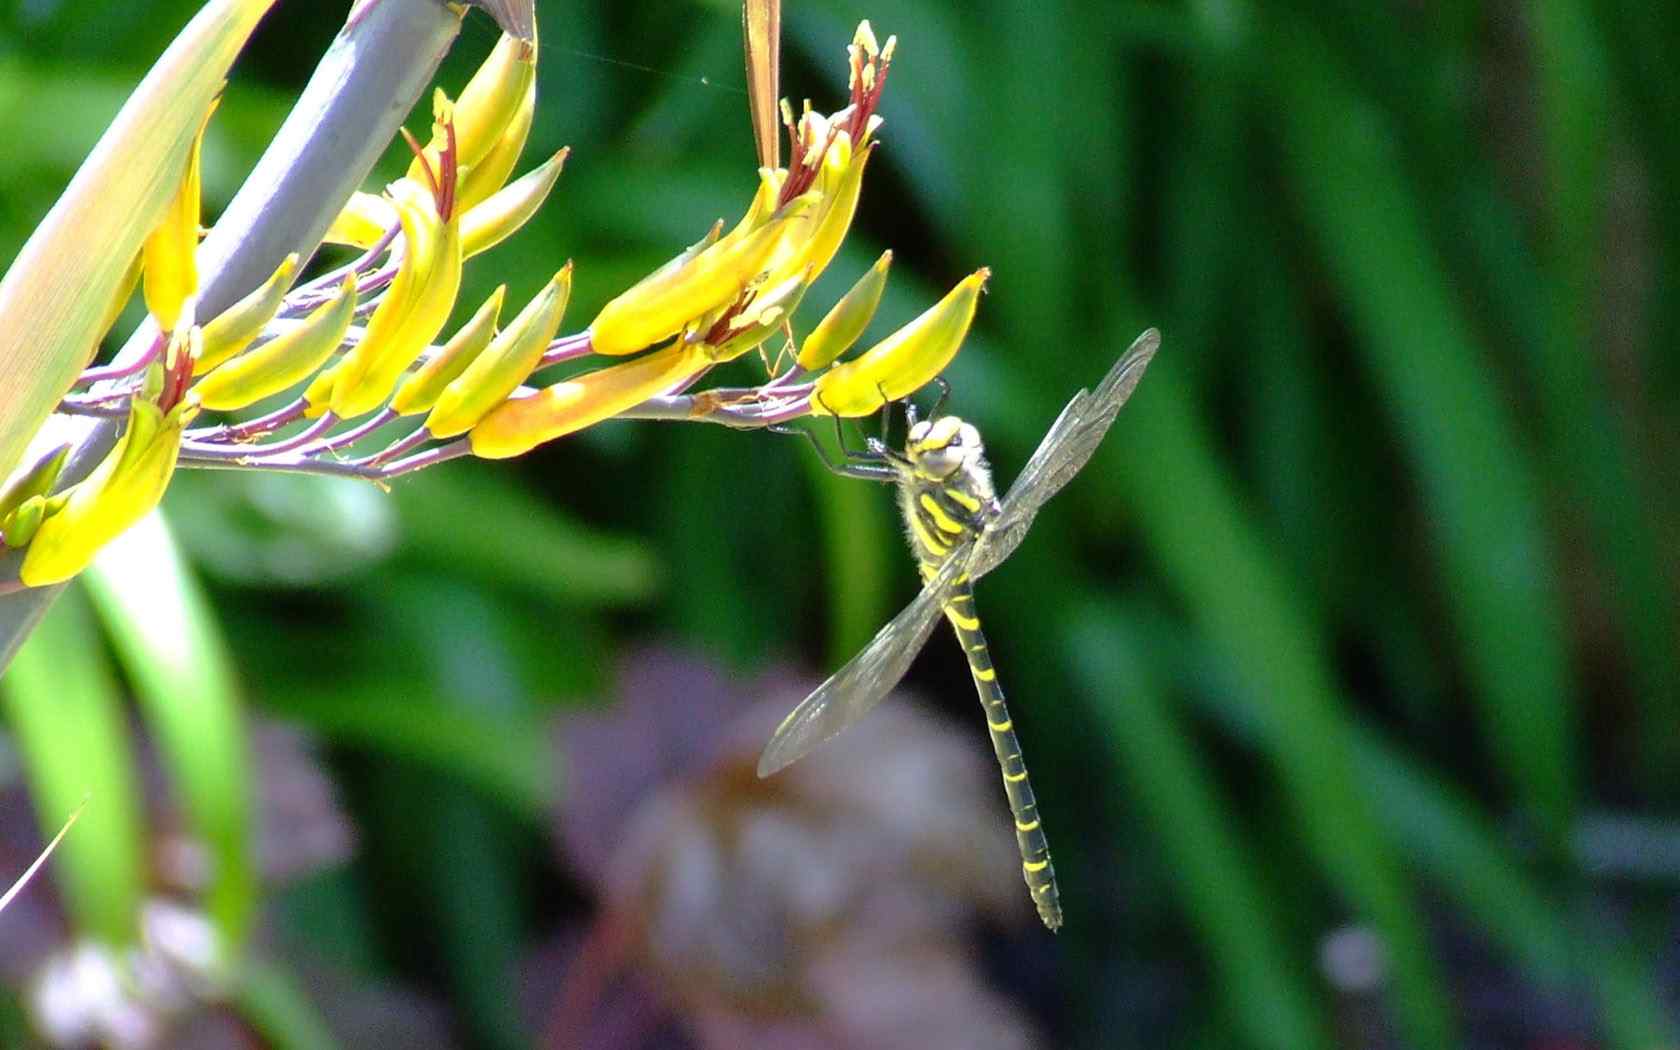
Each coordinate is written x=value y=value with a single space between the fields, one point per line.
x=959 y=531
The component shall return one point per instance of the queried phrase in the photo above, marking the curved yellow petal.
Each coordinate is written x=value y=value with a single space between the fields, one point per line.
x=660 y=305
x=905 y=361
x=498 y=371
x=235 y=328
x=494 y=220
x=489 y=103
x=171 y=252
x=842 y=325
x=420 y=391
x=282 y=362
x=125 y=486
x=481 y=180
x=517 y=426
x=411 y=316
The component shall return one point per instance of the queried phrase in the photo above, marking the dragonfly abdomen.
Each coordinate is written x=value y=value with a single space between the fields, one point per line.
x=1036 y=868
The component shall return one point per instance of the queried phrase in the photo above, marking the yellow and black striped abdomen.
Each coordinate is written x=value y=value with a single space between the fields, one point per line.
x=1029 y=828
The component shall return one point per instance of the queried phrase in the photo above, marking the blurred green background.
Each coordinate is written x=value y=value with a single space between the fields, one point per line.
x=1347 y=671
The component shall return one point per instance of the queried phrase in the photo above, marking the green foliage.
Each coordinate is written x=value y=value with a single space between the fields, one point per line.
x=1365 y=606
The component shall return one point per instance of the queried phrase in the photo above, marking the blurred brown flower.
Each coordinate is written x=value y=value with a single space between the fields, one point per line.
x=829 y=906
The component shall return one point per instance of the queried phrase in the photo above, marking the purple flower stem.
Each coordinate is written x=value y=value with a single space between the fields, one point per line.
x=335 y=468
x=407 y=444
x=791 y=376
x=100 y=408
x=350 y=437
x=111 y=372
x=567 y=348
x=250 y=429
x=428 y=458
x=259 y=452
x=361 y=264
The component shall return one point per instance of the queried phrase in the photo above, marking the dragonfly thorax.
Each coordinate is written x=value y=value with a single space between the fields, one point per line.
x=944 y=488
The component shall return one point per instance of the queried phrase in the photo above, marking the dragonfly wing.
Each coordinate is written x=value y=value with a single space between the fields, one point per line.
x=855 y=689
x=1065 y=450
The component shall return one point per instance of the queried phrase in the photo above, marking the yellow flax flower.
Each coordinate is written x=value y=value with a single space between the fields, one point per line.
x=124 y=488
x=905 y=361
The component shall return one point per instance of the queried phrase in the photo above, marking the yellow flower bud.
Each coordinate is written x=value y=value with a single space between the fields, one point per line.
x=20 y=525
x=413 y=312
x=905 y=361
x=420 y=391
x=496 y=219
x=171 y=252
x=364 y=220
x=36 y=481
x=661 y=304
x=842 y=326
x=499 y=370
x=481 y=180
x=238 y=326
x=283 y=361
x=488 y=103
x=515 y=427
x=125 y=486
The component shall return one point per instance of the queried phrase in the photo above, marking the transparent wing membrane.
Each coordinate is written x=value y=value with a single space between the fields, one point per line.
x=1065 y=450
x=866 y=679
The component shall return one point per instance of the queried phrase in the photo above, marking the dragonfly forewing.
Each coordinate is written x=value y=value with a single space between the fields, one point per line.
x=867 y=678
x=1065 y=450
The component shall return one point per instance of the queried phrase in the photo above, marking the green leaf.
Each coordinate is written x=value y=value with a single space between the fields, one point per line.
x=861 y=554
x=1237 y=590
x=1479 y=487
x=507 y=758
x=54 y=299
x=62 y=704
x=1211 y=864
x=532 y=546
x=168 y=640
x=270 y=1001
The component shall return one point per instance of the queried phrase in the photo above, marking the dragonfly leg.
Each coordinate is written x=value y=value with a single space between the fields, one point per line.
x=849 y=465
x=872 y=452
x=944 y=396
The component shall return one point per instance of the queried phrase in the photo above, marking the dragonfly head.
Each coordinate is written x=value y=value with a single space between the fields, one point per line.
x=939 y=448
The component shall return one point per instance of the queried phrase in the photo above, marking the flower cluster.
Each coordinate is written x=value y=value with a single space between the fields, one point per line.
x=363 y=348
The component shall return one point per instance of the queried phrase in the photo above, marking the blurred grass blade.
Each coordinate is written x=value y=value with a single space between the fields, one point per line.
x=57 y=291
x=168 y=641
x=508 y=759
x=1212 y=868
x=1478 y=486
x=1239 y=594
x=271 y=1002
x=30 y=872
x=1452 y=842
x=1454 y=845
x=1464 y=855
x=761 y=28
x=64 y=710
x=1588 y=437
x=860 y=554
x=532 y=546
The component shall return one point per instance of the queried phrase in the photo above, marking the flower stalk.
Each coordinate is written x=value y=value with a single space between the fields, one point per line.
x=724 y=296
